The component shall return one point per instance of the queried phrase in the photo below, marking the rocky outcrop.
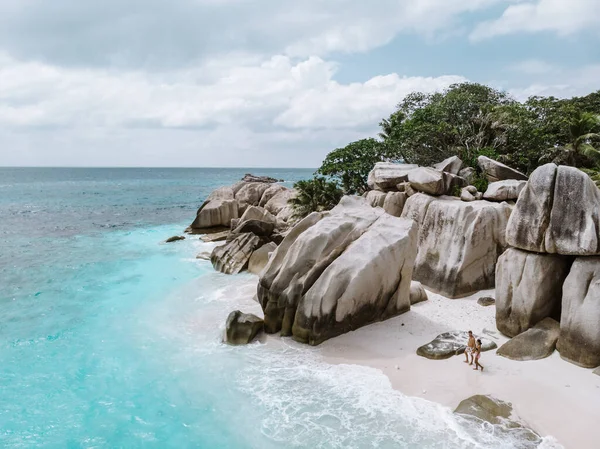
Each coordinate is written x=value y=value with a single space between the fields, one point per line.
x=557 y=212
x=376 y=198
x=451 y=165
x=215 y=237
x=204 y=255
x=233 y=257
x=528 y=289
x=271 y=191
x=260 y=257
x=229 y=203
x=579 y=340
x=417 y=293
x=242 y=328
x=504 y=190
x=287 y=215
x=448 y=344
x=256 y=227
x=215 y=213
x=427 y=180
x=319 y=282
x=459 y=242
x=251 y=193
x=496 y=171
x=394 y=203
x=265 y=179
x=386 y=175
x=279 y=201
x=258 y=213
x=175 y=238
x=536 y=343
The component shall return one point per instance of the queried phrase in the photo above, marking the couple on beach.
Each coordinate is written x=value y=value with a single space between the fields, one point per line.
x=473 y=350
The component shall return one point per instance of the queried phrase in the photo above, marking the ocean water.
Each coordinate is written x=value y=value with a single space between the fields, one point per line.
x=110 y=338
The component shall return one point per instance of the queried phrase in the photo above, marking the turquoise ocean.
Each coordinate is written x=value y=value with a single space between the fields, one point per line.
x=110 y=338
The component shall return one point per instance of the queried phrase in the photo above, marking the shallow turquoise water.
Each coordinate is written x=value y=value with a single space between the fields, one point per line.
x=111 y=339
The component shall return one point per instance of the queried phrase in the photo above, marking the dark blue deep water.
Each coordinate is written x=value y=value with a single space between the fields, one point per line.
x=110 y=338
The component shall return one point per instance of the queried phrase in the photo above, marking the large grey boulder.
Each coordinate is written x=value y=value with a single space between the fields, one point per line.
x=256 y=227
x=459 y=242
x=528 y=289
x=257 y=213
x=376 y=198
x=271 y=191
x=579 y=340
x=451 y=165
x=394 y=203
x=233 y=257
x=287 y=215
x=215 y=213
x=319 y=282
x=497 y=171
x=242 y=328
x=279 y=201
x=452 y=343
x=499 y=413
x=386 y=175
x=427 y=180
x=222 y=193
x=486 y=408
x=557 y=212
x=536 y=343
x=251 y=193
x=507 y=190
x=260 y=257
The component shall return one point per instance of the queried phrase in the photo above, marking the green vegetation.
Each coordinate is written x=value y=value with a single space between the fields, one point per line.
x=315 y=195
x=468 y=120
x=351 y=165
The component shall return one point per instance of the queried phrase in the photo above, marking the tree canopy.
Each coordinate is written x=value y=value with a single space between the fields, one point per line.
x=466 y=120
x=469 y=120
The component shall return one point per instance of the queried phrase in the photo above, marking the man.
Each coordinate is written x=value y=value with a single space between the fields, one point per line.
x=470 y=348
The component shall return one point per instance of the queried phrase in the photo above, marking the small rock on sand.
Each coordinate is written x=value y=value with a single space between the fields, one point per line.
x=448 y=344
x=486 y=301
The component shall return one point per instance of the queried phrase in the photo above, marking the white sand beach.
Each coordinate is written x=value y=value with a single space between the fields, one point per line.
x=551 y=396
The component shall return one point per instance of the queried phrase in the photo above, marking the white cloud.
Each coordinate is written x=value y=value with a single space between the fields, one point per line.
x=564 y=17
x=236 y=104
x=156 y=33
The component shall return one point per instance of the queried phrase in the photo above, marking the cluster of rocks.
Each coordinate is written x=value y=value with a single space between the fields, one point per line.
x=252 y=217
x=460 y=238
x=548 y=282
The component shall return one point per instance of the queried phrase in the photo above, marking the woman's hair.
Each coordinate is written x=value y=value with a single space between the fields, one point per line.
x=479 y=340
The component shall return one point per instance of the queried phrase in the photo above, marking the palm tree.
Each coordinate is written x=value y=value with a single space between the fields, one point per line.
x=315 y=195
x=583 y=129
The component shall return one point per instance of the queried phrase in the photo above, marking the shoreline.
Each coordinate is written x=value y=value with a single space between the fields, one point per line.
x=551 y=396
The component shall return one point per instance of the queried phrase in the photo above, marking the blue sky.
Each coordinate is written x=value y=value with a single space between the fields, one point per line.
x=263 y=83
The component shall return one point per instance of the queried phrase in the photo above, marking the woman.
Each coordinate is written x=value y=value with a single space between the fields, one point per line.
x=477 y=355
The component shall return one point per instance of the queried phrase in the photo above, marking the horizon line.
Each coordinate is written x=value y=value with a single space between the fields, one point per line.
x=139 y=166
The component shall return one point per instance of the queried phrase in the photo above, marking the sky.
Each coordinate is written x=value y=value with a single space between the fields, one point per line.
x=263 y=83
